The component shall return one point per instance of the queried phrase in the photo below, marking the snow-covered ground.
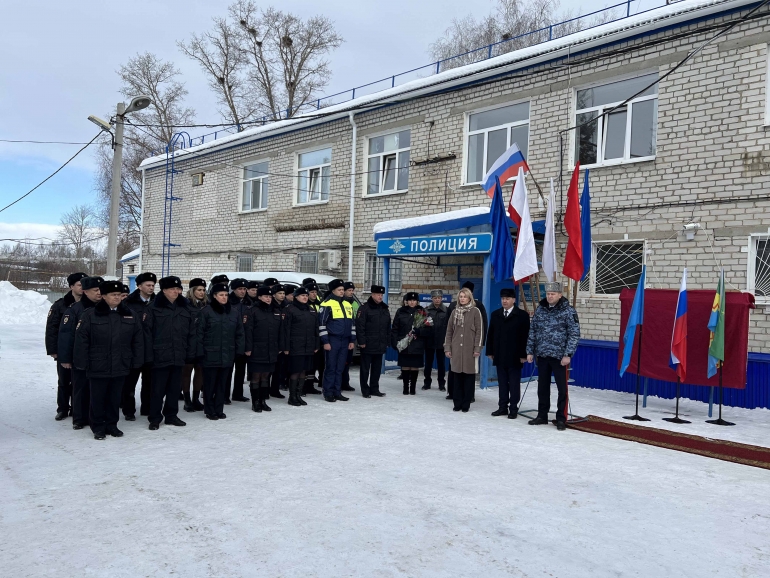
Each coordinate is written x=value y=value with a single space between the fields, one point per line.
x=398 y=486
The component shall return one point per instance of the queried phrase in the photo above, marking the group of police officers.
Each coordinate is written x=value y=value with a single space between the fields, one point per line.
x=104 y=339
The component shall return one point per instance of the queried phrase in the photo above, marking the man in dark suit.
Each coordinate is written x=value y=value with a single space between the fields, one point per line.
x=507 y=348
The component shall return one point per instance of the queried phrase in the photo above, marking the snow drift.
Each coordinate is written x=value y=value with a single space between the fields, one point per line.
x=19 y=307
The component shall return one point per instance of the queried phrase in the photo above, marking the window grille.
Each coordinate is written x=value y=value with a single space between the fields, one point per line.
x=307 y=263
x=244 y=263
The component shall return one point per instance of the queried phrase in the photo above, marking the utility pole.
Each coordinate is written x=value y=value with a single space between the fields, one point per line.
x=117 y=165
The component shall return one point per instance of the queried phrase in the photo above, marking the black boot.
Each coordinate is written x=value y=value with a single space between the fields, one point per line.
x=413 y=381
x=197 y=405
x=275 y=391
x=310 y=389
x=188 y=404
x=265 y=390
x=293 y=394
x=298 y=392
x=255 y=405
x=406 y=383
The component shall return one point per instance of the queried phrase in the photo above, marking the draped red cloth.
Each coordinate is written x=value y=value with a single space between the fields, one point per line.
x=659 y=311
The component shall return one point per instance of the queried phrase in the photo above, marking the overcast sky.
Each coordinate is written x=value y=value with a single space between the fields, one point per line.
x=59 y=61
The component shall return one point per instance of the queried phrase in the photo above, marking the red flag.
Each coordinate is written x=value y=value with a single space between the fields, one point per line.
x=573 y=260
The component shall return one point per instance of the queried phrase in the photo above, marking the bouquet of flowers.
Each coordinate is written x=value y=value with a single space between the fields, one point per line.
x=421 y=319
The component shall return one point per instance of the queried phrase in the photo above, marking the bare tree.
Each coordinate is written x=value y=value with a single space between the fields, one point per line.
x=514 y=24
x=79 y=228
x=264 y=62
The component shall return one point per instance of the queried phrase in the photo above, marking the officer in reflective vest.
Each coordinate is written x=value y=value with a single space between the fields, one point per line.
x=337 y=330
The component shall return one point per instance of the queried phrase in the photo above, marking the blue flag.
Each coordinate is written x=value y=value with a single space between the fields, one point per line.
x=502 y=248
x=636 y=318
x=585 y=225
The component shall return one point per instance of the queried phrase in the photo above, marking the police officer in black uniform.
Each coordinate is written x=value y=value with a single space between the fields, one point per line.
x=81 y=392
x=262 y=333
x=241 y=303
x=279 y=376
x=319 y=359
x=373 y=334
x=299 y=341
x=138 y=302
x=170 y=341
x=55 y=313
x=108 y=342
x=251 y=290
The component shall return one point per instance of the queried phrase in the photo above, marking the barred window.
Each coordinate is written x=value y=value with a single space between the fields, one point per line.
x=374 y=270
x=614 y=267
x=307 y=262
x=244 y=263
x=759 y=267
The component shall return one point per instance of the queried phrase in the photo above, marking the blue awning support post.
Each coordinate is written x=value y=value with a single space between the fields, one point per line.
x=485 y=296
x=386 y=284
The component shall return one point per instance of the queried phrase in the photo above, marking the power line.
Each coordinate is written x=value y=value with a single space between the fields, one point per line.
x=46 y=142
x=89 y=143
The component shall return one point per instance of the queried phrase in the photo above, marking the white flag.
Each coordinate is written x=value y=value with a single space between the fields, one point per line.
x=526 y=257
x=549 y=244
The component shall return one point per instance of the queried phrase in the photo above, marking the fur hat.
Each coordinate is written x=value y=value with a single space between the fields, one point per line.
x=412 y=295
x=91 y=282
x=335 y=283
x=377 y=289
x=308 y=281
x=220 y=279
x=142 y=277
x=197 y=282
x=349 y=285
x=74 y=278
x=311 y=287
x=238 y=283
x=252 y=285
x=507 y=292
x=126 y=289
x=468 y=285
x=555 y=287
x=170 y=282
x=270 y=281
x=300 y=291
x=290 y=287
x=437 y=293
x=218 y=288
x=278 y=287
x=110 y=287
x=264 y=290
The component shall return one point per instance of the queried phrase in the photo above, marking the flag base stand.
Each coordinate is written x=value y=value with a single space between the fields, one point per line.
x=676 y=418
x=636 y=417
x=720 y=421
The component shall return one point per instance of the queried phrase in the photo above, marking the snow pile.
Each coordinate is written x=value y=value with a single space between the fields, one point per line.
x=19 y=307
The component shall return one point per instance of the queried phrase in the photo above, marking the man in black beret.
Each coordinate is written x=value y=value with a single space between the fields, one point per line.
x=507 y=348
x=138 y=301
x=170 y=341
x=81 y=399
x=241 y=303
x=55 y=313
x=373 y=335
x=337 y=330
x=483 y=310
x=108 y=343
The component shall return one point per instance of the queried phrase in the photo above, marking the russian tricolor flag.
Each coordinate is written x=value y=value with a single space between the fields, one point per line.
x=506 y=167
x=678 y=359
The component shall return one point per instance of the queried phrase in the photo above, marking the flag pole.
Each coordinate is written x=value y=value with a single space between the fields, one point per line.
x=522 y=297
x=720 y=421
x=532 y=293
x=636 y=415
x=676 y=418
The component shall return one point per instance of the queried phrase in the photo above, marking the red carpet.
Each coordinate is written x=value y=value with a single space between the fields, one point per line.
x=719 y=449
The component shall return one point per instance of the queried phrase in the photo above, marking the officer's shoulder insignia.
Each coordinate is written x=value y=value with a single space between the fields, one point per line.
x=66 y=318
x=49 y=312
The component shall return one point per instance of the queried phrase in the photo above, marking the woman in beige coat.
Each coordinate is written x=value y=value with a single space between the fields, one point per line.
x=464 y=337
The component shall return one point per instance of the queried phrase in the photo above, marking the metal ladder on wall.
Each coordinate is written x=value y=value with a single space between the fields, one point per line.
x=177 y=142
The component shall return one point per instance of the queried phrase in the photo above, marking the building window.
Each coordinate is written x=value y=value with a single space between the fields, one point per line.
x=491 y=133
x=627 y=133
x=374 y=270
x=614 y=267
x=313 y=176
x=244 y=263
x=307 y=262
x=254 y=188
x=131 y=269
x=388 y=163
x=759 y=267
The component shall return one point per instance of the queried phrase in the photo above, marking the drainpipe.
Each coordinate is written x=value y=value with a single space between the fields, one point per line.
x=141 y=228
x=352 y=193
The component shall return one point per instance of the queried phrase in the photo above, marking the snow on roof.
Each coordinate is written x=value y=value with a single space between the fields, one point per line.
x=132 y=255
x=400 y=224
x=605 y=32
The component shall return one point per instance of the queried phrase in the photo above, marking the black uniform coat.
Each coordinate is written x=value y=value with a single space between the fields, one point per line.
x=69 y=322
x=402 y=324
x=170 y=332
x=507 y=338
x=108 y=343
x=440 y=316
x=263 y=329
x=299 y=330
x=482 y=310
x=53 y=322
x=220 y=335
x=137 y=305
x=373 y=327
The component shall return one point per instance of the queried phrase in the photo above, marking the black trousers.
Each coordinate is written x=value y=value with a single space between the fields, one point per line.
x=450 y=385
x=371 y=368
x=280 y=376
x=128 y=397
x=105 y=402
x=430 y=353
x=215 y=381
x=508 y=388
x=320 y=364
x=464 y=386
x=64 y=389
x=236 y=373
x=346 y=369
x=165 y=383
x=547 y=366
x=81 y=397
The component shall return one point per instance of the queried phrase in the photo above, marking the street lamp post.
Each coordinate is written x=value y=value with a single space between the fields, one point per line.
x=137 y=103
